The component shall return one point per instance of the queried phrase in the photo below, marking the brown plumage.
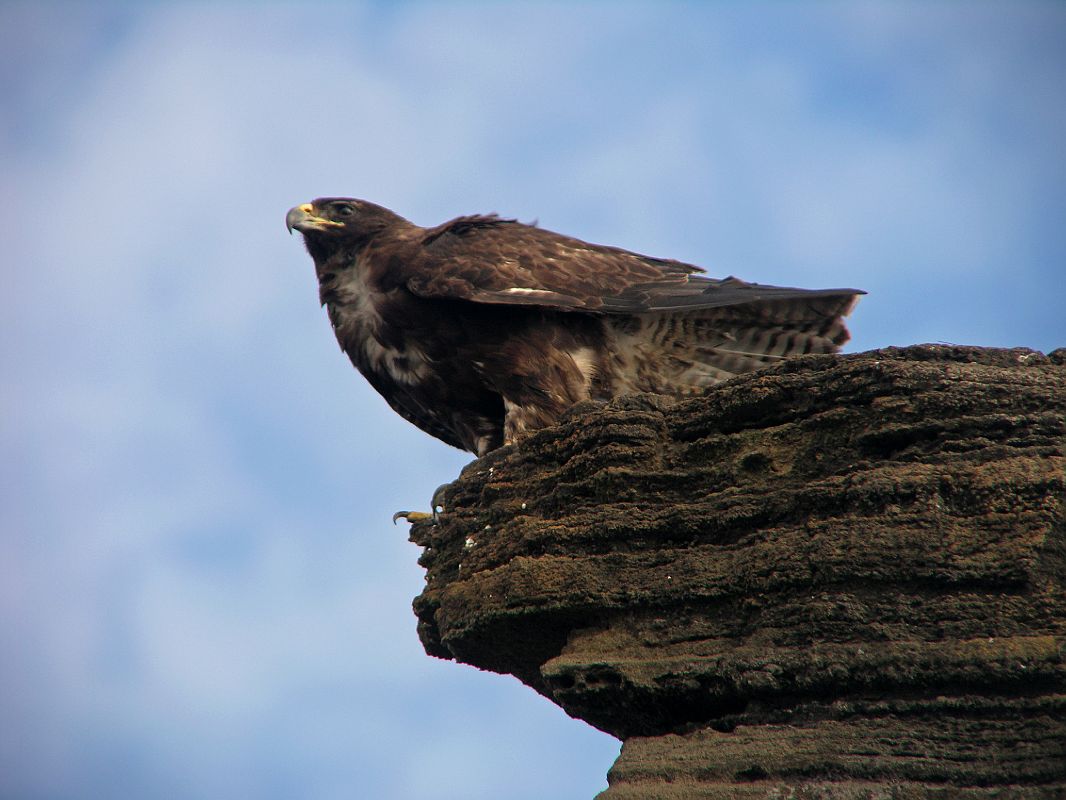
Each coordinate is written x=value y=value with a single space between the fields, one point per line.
x=482 y=329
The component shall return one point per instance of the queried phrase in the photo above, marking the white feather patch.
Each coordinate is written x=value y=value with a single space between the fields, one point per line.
x=585 y=359
x=535 y=292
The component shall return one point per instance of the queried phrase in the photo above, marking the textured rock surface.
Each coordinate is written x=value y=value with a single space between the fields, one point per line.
x=839 y=577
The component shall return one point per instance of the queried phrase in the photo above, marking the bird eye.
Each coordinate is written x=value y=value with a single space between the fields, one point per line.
x=343 y=210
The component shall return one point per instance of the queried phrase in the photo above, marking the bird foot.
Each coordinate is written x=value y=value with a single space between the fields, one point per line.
x=433 y=516
x=415 y=516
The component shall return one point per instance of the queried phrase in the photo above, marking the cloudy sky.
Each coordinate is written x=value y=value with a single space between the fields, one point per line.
x=202 y=594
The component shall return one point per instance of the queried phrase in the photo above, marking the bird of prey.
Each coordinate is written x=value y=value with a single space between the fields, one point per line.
x=484 y=329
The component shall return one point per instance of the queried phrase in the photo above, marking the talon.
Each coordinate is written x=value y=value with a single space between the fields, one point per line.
x=415 y=516
x=437 y=501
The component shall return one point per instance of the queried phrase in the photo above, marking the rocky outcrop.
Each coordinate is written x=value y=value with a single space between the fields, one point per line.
x=844 y=576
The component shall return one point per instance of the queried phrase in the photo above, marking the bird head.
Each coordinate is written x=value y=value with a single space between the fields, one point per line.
x=331 y=223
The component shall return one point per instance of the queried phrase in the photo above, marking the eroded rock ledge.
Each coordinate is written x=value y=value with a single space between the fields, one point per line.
x=839 y=577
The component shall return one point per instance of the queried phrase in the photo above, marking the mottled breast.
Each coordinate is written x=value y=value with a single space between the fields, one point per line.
x=356 y=311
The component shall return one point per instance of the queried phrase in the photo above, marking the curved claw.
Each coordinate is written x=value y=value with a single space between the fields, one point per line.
x=437 y=501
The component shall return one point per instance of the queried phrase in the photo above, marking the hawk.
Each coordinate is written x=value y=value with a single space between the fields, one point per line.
x=484 y=329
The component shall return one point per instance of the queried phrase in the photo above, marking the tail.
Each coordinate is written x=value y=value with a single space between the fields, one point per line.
x=682 y=351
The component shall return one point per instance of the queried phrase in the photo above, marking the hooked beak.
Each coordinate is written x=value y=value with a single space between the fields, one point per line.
x=303 y=219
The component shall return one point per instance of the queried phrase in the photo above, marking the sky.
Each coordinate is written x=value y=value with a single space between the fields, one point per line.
x=202 y=594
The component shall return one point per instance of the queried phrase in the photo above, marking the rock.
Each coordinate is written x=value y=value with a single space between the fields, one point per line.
x=839 y=577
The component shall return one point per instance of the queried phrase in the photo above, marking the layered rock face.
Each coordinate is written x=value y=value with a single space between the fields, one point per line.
x=841 y=577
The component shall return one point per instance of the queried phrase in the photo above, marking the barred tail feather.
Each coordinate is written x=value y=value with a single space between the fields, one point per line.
x=680 y=352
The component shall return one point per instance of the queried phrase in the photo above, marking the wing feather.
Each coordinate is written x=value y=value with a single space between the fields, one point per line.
x=486 y=259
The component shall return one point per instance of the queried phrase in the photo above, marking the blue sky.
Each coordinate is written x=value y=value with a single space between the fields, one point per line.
x=203 y=596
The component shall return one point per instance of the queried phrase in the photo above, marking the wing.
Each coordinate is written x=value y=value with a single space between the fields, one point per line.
x=486 y=259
